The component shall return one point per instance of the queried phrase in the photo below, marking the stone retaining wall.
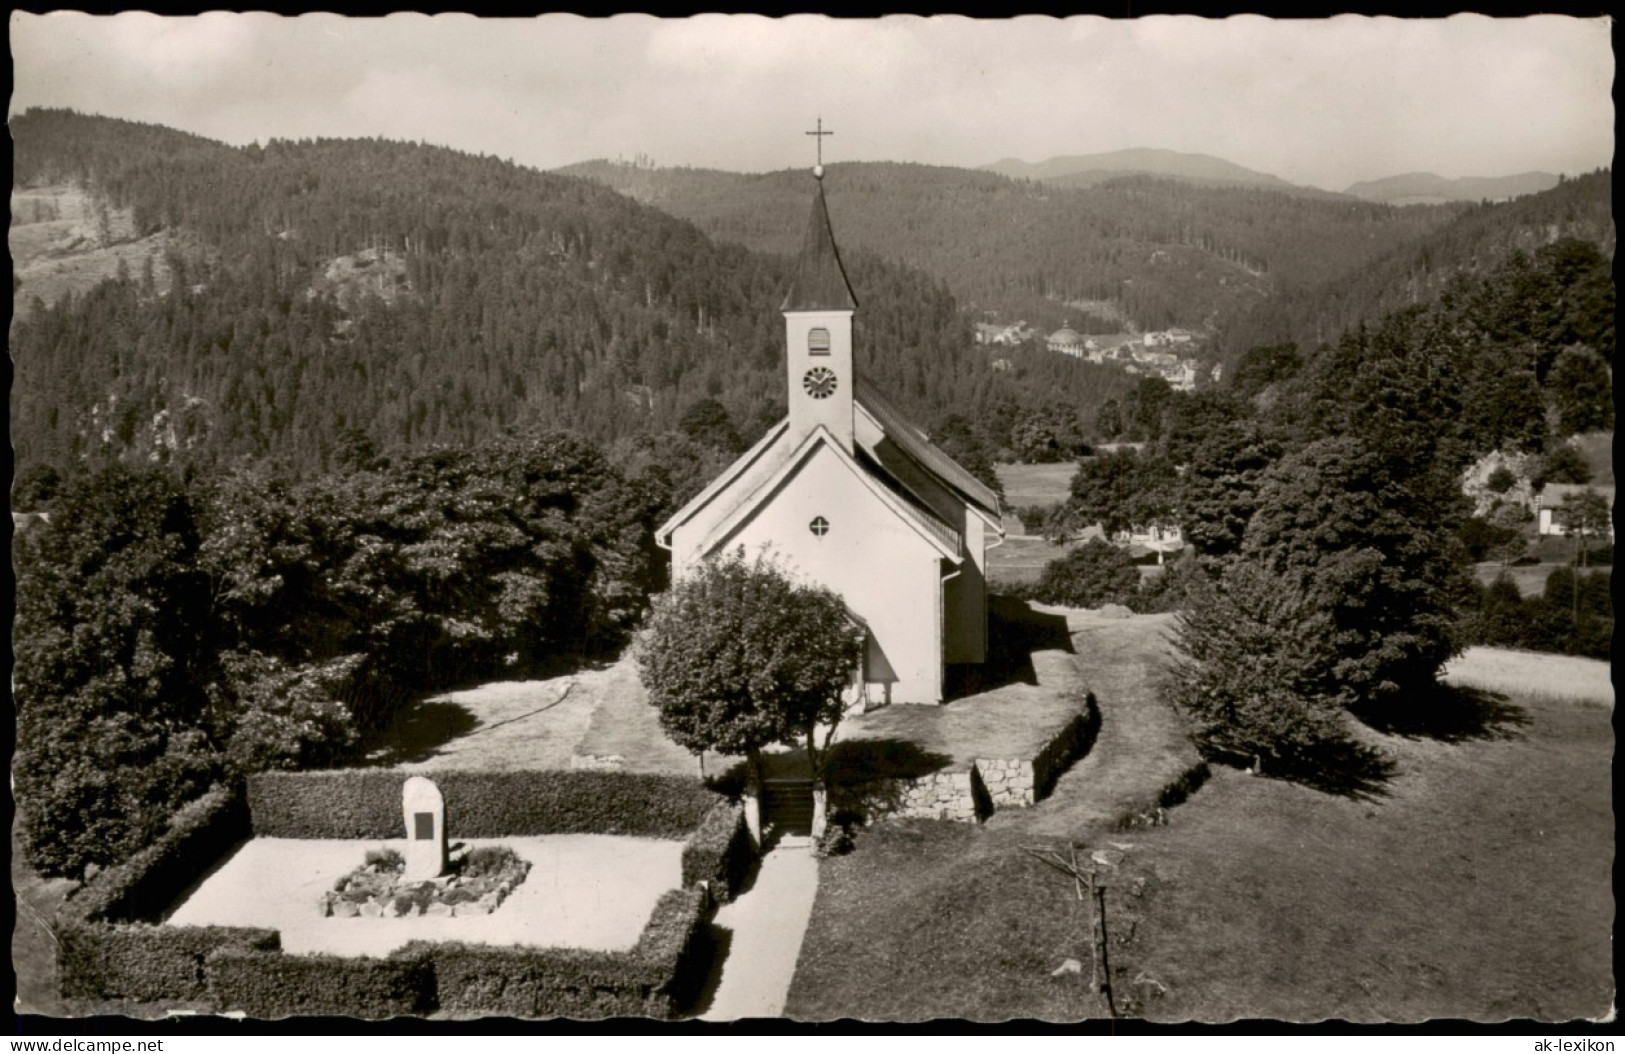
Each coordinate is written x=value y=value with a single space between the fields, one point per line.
x=1009 y=781
x=991 y=783
x=938 y=796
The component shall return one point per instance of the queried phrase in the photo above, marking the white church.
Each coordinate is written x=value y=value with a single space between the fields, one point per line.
x=847 y=493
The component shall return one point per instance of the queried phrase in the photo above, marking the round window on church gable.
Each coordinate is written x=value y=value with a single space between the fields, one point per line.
x=819 y=526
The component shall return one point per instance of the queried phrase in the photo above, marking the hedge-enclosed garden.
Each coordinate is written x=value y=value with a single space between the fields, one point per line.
x=113 y=947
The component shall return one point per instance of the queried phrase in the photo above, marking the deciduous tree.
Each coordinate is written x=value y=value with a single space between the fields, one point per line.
x=737 y=657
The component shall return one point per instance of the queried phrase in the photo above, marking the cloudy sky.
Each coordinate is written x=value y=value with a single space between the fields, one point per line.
x=1322 y=102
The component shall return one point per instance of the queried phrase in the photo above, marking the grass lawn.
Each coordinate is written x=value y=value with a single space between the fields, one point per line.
x=625 y=726
x=1475 y=882
x=1020 y=560
x=1036 y=484
x=1522 y=673
x=33 y=945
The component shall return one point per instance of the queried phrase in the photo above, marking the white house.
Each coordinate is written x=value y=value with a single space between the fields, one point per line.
x=1548 y=500
x=847 y=493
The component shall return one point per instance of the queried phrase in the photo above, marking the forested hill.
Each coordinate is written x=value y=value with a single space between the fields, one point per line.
x=1080 y=170
x=1478 y=241
x=1161 y=252
x=314 y=290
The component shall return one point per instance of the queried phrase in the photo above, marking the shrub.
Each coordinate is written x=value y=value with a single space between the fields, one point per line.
x=719 y=851
x=487 y=859
x=144 y=962
x=148 y=883
x=366 y=803
x=1172 y=589
x=1501 y=480
x=656 y=978
x=277 y=985
x=385 y=859
x=1090 y=575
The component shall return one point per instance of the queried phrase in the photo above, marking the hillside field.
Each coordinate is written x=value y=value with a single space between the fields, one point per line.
x=1472 y=881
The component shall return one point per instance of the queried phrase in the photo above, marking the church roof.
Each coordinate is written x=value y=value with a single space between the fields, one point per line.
x=917 y=445
x=783 y=458
x=820 y=283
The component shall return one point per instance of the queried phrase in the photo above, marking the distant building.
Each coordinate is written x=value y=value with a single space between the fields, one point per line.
x=1067 y=341
x=1549 y=499
x=1009 y=336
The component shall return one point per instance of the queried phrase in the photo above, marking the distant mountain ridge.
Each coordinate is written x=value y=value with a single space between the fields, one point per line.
x=1163 y=251
x=1081 y=170
x=1425 y=188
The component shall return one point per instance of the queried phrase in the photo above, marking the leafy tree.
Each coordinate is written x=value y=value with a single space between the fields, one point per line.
x=1046 y=435
x=1108 y=421
x=1584 y=515
x=960 y=440
x=1582 y=392
x=1501 y=480
x=1090 y=575
x=35 y=488
x=1217 y=494
x=737 y=657
x=1562 y=464
x=1263 y=366
x=1374 y=550
x=112 y=731
x=1145 y=408
x=707 y=422
x=1117 y=490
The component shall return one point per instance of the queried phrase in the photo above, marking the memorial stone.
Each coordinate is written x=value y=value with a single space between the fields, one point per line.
x=424 y=809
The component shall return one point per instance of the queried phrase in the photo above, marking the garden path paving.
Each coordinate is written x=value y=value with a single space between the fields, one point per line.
x=768 y=922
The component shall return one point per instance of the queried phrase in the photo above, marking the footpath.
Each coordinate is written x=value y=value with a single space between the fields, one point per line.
x=764 y=927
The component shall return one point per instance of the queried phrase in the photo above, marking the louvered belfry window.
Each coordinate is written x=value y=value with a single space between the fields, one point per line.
x=818 y=341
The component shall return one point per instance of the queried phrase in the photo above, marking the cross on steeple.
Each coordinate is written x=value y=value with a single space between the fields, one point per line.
x=818 y=170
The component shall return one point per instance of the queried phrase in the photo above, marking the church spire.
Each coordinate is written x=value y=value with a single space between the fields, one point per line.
x=820 y=283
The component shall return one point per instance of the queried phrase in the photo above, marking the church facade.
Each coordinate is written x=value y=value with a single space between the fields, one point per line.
x=847 y=493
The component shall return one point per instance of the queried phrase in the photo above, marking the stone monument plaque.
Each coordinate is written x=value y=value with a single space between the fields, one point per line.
x=425 y=814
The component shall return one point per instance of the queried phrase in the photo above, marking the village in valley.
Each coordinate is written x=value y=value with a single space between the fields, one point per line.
x=540 y=592
x=1173 y=354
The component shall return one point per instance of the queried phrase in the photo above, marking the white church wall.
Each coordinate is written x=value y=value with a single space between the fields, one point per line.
x=886 y=572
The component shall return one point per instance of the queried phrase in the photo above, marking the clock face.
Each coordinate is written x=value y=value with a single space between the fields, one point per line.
x=819 y=382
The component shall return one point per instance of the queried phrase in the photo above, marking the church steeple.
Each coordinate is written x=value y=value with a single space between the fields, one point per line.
x=818 y=333
x=820 y=283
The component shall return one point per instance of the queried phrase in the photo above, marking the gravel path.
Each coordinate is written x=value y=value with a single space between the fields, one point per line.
x=583 y=891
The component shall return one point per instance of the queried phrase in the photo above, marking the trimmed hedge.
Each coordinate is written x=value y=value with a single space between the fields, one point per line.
x=143 y=887
x=149 y=963
x=657 y=978
x=366 y=803
x=278 y=985
x=719 y=852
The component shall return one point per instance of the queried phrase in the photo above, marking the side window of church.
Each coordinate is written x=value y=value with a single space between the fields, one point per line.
x=818 y=341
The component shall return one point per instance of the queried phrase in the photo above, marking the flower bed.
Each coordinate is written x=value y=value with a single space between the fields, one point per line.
x=475 y=884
